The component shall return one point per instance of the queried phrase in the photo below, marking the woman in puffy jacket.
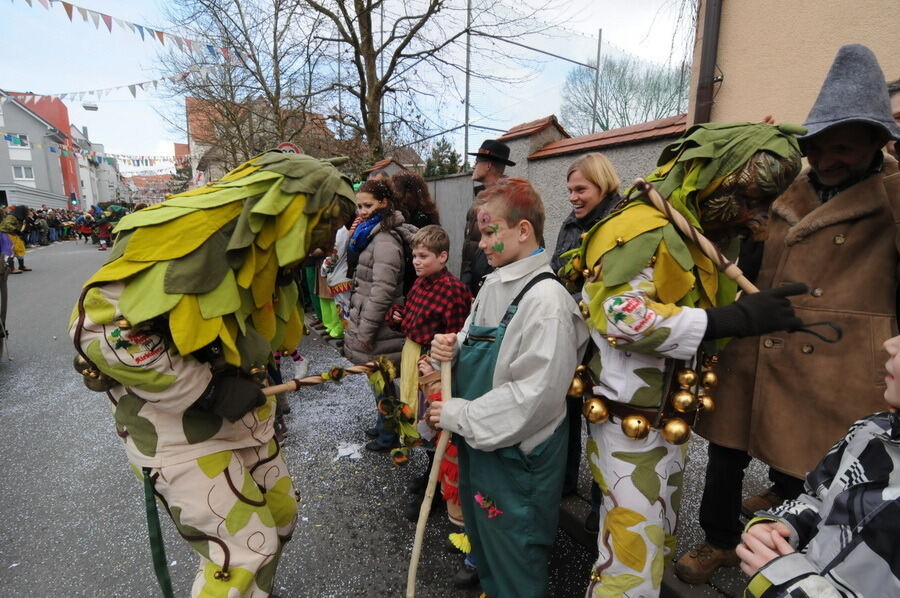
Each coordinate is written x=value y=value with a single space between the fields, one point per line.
x=375 y=256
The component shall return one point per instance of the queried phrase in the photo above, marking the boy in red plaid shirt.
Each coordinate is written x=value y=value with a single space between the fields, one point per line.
x=437 y=303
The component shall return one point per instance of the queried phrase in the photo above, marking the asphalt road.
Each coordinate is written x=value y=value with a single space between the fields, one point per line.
x=73 y=515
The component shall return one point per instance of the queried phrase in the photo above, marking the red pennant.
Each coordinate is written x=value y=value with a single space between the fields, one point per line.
x=68 y=7
x=161 y=37
x=108 y=20
x=189 y=45
x=226 y=53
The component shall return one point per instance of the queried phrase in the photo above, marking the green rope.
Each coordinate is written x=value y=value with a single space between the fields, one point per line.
x=157 y=548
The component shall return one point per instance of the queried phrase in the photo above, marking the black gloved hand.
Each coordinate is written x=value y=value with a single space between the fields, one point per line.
x=231 y=395
x=755 y=314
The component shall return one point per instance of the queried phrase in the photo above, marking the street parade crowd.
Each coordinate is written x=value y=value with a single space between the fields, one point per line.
x=636 y=326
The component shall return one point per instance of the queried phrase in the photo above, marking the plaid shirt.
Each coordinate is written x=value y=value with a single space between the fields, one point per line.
x=436 y=304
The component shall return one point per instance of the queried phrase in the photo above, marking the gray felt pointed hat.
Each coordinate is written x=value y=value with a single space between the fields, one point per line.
x=854 y=91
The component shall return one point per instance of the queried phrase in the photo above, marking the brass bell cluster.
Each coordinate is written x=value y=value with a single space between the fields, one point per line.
x=594 y=408
x=93 y=378
x=675 y=430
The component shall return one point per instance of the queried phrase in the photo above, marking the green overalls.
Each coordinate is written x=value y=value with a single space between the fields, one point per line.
x=510 y=500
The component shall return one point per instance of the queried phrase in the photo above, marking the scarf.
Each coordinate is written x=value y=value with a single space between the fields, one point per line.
x=360 y=239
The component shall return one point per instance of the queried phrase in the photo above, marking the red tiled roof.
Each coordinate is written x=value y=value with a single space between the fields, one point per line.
x=182 y=149
x=532 y=127
x=655 y=129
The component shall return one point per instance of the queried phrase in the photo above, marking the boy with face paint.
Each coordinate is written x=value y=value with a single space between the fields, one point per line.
x=513 y=361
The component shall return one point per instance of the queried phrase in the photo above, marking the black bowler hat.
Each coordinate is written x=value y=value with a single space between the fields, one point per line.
x=495 y=151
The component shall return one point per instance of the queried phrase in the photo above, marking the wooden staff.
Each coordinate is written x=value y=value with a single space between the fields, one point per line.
x=292 y=385
x=425 y=509
x=706 y=246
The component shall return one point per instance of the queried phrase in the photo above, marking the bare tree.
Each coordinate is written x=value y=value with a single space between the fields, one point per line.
x=630 y=91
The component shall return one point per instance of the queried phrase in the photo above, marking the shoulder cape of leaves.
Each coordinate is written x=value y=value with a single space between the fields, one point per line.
x=211 y=260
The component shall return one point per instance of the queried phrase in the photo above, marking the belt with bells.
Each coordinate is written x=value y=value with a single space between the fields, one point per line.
x=688 y=396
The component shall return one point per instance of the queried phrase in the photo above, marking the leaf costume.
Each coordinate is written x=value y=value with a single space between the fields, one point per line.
x=195 y=296
x=645 y=289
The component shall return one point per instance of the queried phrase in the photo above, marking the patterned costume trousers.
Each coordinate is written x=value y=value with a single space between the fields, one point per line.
x=641 y=483
x=237 y=509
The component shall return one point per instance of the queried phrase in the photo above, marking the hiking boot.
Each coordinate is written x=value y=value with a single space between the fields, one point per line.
x=698 y=564
x=466 y=577
x=15 y=271
x=764 y=501
x=377 y=447
x=371 y=432
x=24 y=269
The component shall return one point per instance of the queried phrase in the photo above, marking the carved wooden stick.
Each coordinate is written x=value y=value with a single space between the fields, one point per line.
x=706 y=246
x=425 y=509
x=292 y=385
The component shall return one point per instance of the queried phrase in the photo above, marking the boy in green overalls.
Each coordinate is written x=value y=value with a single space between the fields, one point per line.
x=513 y=362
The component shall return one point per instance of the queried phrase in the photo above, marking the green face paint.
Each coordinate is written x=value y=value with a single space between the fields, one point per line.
x=494 y=227
x=498 y=247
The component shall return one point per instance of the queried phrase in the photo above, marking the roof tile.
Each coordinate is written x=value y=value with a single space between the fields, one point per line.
x=655 y=129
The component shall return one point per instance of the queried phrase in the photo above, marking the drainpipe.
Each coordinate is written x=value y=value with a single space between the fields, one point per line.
x=706 y=79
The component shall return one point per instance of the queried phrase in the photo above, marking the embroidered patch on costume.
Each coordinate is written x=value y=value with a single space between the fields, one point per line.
x=488 y=505
x=630 y=315
x=143 y=348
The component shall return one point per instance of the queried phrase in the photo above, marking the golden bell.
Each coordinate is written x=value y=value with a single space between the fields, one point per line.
x=586 y=272
x=595 y=411
x=687 y=377
x=581 y=369
x=80 y=364
x=709 y=379
x=636 y=427
x=91 y=373
x=259 y=374
x=99 y=384
x=123 y=324
x=684 y=401
x=585 y=311
x=576 y=388
x=676 y=431
x=707 y=404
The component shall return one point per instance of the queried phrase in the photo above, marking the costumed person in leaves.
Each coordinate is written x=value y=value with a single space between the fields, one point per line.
x=835 y=228
x=513 y=360
x=656 y=307
x=13 y=226
x=375 y=255
x=839 y=537
x=593 y=187
x=178 y=327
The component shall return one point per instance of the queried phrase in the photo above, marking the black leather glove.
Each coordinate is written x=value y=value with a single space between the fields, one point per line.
x=755 y=314
x=231 y=395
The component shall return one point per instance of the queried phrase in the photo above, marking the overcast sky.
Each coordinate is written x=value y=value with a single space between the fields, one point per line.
x=44 y=53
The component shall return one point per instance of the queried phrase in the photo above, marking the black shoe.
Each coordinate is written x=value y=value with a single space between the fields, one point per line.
x=377 y=447
x=592 y=522
x=412 y=508
x=417 y=485
x=371 y=432
x=466 y=577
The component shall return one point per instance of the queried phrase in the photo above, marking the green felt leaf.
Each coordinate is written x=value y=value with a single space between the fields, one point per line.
x=215 y=463
x=650 y=343
x=241 y=511
x=253 y=347
x=677 y=247
x=243 y=236
x=593 y=454
x=118 y=248
x=652 y=394
x=657 y=537
x=273 y=202
x=644 y=476
x=200 y=425
x=203 y=269
x=151 y=217
x=292 y=246
x=145 y=297
x=201 y=546
x=139 y=377
x=676 y=480
x=140 y=429
x=265 y=576
x=621 y=264
x=224 y=299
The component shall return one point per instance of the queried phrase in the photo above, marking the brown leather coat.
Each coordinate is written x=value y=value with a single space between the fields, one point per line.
x=787 y=398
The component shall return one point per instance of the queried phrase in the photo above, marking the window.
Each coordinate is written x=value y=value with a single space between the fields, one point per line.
x=23 y=173
x=16 y=140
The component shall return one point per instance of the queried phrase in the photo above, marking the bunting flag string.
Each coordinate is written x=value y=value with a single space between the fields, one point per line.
x=18 y=140
x=182 y=43
x=27 y=98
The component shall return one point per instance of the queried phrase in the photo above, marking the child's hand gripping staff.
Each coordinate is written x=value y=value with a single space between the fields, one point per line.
x=442 y=350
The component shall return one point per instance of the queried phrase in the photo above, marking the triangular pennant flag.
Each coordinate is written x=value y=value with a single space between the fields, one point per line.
x=95 y=17
x=68 y=7
x=156 y=84
x=28 y=2
x=130 y=25
x=83 y=12
x=62 y=96
x=141 y=30
x=212 y=51
x=45 y=4
x=108 y=20
x=161 y=37
x=225 y=53
x=119 y=22
x=141 y=85
x=179 y=41
x=131 y=88
x=190 y=45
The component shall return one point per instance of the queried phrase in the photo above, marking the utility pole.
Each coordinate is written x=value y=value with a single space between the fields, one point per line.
x=468 y=62
x=596 y=84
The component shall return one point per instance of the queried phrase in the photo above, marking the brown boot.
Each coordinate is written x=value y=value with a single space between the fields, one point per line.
x=764 y=501
x=698 y=564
